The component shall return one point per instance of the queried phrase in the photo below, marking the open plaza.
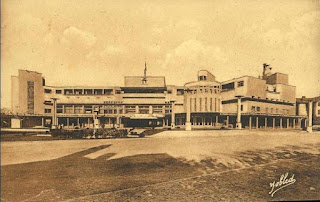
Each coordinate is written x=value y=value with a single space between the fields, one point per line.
x=198 y=165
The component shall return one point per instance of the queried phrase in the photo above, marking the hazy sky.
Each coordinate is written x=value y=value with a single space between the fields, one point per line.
x=98 y=42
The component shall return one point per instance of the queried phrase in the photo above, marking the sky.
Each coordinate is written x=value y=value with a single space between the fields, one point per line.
x=98 y=42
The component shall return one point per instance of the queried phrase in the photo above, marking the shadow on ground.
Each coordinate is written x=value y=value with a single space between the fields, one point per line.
x=74 y=176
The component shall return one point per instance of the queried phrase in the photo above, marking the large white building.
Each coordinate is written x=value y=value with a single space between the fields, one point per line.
x=147 y=101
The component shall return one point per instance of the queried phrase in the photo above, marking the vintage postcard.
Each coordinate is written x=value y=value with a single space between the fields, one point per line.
x=160 y=100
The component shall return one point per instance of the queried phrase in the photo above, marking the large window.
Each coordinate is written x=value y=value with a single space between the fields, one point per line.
x=228 y=86
x=58 y=91
x=30 y=97
x=59 y=109
x=47 y=111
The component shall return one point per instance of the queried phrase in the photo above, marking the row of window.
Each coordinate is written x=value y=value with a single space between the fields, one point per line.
x=83 y=91
x=269 y=110
x=89 y=109
x=214 y=104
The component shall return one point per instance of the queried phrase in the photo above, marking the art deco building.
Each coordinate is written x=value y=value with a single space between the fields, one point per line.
x=147 y=101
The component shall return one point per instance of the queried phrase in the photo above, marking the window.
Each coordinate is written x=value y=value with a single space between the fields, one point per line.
x=47 y=102
x=68 y=91
x=78 y=91
x=30 y=97
x=240 y=83
x=78 y=109
x=47 y=90
x=241 y=107
x=215 y=104
x=88 y=91
x=202 y=78
x=58 y=91
x=228 y=86
x=271 y=110
x=206 y=104
x=88 y=109
x=180 y=91
x=253 y=108
x=258 y=109
x=169 y=91
x=200 y=104
x=277 y=110
x=59 y=109
x=118 y=91
x=68 y=109
x=267 y=110
x=47 y=111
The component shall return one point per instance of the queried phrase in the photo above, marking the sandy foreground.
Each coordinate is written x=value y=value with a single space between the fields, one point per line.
x=192 y=146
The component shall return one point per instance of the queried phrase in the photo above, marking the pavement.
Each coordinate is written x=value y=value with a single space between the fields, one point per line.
x=206 y=165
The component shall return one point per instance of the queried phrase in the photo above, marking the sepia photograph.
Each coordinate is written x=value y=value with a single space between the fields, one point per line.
x=160 y=100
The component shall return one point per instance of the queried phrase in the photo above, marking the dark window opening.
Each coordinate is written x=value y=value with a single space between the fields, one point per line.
x=228 y=86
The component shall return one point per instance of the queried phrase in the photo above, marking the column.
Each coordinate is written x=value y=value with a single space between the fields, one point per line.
x=265 y=122
x=257 y=122
x=68 y=122
x=294 y=123
x=227 y=121
x=309 y=128
x=273 y=123
x=42 y=121
x=288 y=123
x=280 y=123
x=250 y=122
x=118 y=117
x=150 y=109
x=163 y=123
x=173 y=125
x=238 y=124
x=188 y=114
x=78 y=122
x=299 y=123
x=217 y=120
x=137 y=109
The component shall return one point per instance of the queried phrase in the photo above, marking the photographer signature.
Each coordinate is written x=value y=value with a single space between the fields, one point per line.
x=283 y=182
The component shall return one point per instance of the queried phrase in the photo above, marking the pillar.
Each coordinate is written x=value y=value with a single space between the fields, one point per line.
x=238 y=124
x=78 y=122
x=288 y=123
x=150 y=109
x=217 y=120
x=299 y=123
x=294 y=123
x=250 y=122
x=188 y=115
x=280 y=123
x=257 y=122
x=137 y=109
x=309 y=128
x=173 y=125
x=273 y=122
x=118 y=117
x=227 y=121
x=68 y=122
x=265 y=122
x=42 y=121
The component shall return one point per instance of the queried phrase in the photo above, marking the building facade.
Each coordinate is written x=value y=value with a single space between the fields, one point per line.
x=147 y=101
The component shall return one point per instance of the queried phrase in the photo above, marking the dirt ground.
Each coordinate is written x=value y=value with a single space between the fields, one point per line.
x=172 y=166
